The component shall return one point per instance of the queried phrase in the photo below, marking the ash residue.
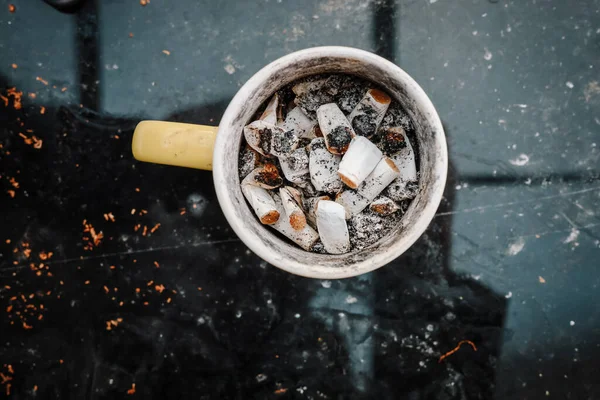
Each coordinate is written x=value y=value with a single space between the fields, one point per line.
x=364 y=125
x=265 y=140
x=283 y=144
x=340 y=139
x=368 y=227
x=389 y=140
x=247 y=161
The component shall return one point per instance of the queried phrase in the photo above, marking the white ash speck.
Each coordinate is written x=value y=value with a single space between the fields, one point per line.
x=572 y=323
x=508 y=295
x=326 y=284
x=351 y=300
x=572 y=236
x=261 y=378
x=516 y=247
x=522 y=159
x=297 y=316
x=430 y=328
x=229 y=68
x=487 y=55
x=238 y=314
x=570 y=84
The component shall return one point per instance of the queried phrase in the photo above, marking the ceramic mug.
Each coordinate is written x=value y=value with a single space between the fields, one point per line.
x=207 y=147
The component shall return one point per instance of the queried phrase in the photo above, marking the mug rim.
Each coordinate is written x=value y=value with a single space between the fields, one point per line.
x=411 y=233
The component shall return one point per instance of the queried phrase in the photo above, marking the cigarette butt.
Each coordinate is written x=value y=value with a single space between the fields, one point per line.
x=359 y=161
x=352 y=202
x=405 y=160
x=293 y=211
x=298 y=122
x=331 y=224
x=335 y=127
x=295 y=165
x=384 y=173
x=310 y=205
x=384 y=206
x=392 y=140
x=262 y=203
x=323 y=167
x=270 y=113
x=369 y=112
x=258 y=135
x=305 y=238
x=266 y=177
x=283 y=143
x=248 y=161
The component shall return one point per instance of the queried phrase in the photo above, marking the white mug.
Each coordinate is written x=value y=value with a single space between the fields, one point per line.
x=206 y=147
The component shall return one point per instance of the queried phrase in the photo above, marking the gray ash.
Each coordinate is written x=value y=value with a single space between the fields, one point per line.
x=283 y=143
x=368 y=227
x=318 y=247
x=247 y=161
x=364 y=125
x=265 y=140
x=390 y=141
x=340 y=139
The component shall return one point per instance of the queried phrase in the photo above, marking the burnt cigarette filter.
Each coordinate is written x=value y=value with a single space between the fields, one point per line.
x=359 y=161
x=262 y=203
x=384 y=206
x=295 y=165
x=323 y=167
x=310 y=205
x=404 y=186
x=249 y=160
x=266 y=177
x=331 y=224
x=305 y=237
x=335 y=127
x=369 y=112
x=299 y=123
x=291 y=199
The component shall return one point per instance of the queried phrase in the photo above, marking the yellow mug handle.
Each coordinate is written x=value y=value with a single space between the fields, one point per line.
x=174 y=143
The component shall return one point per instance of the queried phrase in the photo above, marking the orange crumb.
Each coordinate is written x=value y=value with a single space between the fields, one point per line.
x=40 y=317
x=11 y=193
x=62 y=283
x=145 y=303
x=12 y=8
x=143 y=212
x=35 y=388
x=15 y=66
x=156 y=264
x=64 y=89
x=32 y=95
x=145 y=230
x=8 y=385
x=42 y=110
x=132 y=211
x=281 y=391
x=199 y=289
x=5 y=99
x=87 y=282
x=150 y=283
x=112 y=267
x=182 y=211
x=169 y=300
x=10 y=369
x=135 y=228
x=116 y=137
x=132 y=390
x=37 y=143
x=159 y=288
x=16 y=95
x=542 y=280
x=137 y=189
x=7 y=241
x=120 y=304
x=130 y=34
x=39 y=79
x=15 y=184
x=61 y=361
x=154 y=228
x=9 y=309
x=111 y=217
x=25 y=326
x=454 y=350
x=167 y=52
x=137 y=290
x=27 y=253
x=106 y=289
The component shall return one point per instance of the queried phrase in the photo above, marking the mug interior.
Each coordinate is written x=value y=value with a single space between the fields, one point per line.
x=432 y=166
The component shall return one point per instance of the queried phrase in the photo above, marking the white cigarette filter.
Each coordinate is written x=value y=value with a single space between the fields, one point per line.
x=305 y=238
x=291 y=199
x=359 y=161
x=249 y=160
x=404 y=187
x=310 y=205
x=331 y=224
x=384 y=206
x=298 y=122
x=262 y=203
x=295 y=165
x=335 y=127
x=369 y=112
x=270 y=113
x=266 y=177
x=404 y=159
x=352 y=202
x=384 y=173
x=259 y=135
x=323 y=167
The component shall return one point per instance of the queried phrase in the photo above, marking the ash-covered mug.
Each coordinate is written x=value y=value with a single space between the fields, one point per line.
x=217 y=149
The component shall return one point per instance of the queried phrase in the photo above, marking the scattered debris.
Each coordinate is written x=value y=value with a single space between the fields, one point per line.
x=454 y=350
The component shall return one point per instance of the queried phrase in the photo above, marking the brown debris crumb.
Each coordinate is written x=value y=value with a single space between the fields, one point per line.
x=106 y=289
x=42 y=110
x=169 y=300
x=156 y=264
x=132 y=211
x=35 y=388
x=159 y=288
x=12 y=8
x=167 y=52
x=542 y=280
x=137 y=189
x=281 y=391
x=15 y=66
x=25 y=326
x=150 y=283
x=87 y=282
x=16 y=95
x=145 y=230
x=39 y=79
x=64 y=89
x=154 y=228
x=144 y=2
x=32 y=95
x=11 y=193
x=132 y=390
x=130 y=34
x=182 y=212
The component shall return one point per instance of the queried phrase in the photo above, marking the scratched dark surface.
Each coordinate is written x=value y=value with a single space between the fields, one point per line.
x=510 y=262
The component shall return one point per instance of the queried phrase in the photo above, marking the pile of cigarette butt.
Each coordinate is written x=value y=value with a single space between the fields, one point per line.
x=329 y=169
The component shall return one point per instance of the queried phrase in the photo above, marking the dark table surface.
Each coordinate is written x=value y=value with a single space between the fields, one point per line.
x=510 y=261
